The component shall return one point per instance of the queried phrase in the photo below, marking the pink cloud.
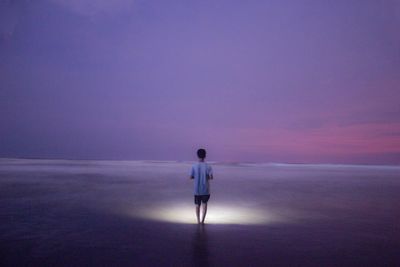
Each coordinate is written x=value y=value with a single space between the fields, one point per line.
x=331 y=141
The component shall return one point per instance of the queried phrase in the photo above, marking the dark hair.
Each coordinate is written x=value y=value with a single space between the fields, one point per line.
x=201 y=153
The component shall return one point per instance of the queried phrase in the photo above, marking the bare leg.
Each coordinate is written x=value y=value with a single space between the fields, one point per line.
x=204 y=212
x=198 y=213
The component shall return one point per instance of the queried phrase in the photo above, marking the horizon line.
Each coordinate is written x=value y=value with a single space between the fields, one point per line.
x=211 y=161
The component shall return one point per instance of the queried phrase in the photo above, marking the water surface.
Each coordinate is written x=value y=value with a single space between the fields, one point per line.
x=141 y=213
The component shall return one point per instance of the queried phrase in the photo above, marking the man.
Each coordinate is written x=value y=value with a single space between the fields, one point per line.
x=201 y=173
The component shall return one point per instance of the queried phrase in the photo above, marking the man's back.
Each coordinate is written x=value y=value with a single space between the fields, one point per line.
x=201 y=172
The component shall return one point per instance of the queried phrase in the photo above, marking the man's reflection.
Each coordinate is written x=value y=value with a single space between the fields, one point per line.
x=200 y=246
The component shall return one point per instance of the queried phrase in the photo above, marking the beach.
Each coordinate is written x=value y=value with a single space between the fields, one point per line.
x=141 y=213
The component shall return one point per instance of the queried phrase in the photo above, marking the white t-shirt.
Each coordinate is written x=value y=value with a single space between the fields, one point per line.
x=200 y=171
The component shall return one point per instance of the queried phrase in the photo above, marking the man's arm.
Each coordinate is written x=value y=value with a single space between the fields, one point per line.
x=192 y=173
x=210 y=174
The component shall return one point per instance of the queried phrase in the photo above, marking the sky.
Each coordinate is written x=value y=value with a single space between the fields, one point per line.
x=297 y=81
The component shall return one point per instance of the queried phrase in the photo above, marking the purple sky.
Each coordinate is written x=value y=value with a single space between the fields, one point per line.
x=265 y=81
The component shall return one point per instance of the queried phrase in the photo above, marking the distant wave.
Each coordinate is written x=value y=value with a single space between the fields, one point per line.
x=32 y=161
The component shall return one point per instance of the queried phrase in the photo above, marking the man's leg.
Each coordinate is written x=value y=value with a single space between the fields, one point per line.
x=198 y=213
x=204 y=212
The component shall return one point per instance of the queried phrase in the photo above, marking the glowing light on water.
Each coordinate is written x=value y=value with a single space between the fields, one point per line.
x=218 y=214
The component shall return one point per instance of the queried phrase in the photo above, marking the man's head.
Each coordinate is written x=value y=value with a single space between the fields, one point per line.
x=201 y=153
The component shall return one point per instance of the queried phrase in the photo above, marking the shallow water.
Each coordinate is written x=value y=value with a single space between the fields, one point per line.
x=141 y=213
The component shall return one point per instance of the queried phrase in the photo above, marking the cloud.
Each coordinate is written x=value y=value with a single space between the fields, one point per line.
x=90 y=8
x=367 y=139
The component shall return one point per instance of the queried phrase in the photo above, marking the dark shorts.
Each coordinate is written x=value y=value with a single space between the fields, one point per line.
x=201 y=198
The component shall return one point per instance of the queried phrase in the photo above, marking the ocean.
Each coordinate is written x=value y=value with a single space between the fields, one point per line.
x=141 y=213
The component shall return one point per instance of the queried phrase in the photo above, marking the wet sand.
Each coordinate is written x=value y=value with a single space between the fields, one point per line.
x=138 y=213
